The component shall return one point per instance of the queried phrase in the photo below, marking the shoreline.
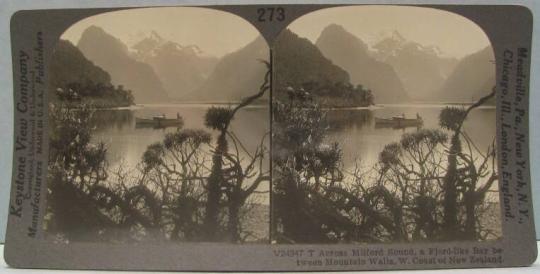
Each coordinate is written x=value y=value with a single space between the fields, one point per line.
x=233 y=104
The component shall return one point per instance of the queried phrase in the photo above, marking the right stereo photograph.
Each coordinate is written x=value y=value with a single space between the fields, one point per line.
x=383 y=128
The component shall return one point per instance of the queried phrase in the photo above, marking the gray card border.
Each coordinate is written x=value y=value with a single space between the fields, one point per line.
x=509 y=29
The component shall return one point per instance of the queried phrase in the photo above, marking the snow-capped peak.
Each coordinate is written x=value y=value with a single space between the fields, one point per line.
x=393 y=43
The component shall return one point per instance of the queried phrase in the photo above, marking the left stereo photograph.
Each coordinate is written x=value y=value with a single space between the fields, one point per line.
x=148 y=117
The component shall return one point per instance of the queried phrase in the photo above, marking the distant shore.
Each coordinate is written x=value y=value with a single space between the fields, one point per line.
x=264 y=105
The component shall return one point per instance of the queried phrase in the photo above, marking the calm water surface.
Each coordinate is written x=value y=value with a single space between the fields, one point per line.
x=127 y=142
x=353 y=129
x=361 y=139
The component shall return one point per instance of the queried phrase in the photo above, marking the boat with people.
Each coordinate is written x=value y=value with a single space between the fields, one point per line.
x=159 y=121
x=399 y=121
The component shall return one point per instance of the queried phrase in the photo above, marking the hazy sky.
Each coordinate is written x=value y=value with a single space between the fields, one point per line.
x=455 y=35
x=215 y=32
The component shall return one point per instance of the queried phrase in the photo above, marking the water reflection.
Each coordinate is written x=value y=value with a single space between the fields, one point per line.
x=107 y=119
x=126 y=141
x=354 y=129
x=346 y=119
x=361 y=139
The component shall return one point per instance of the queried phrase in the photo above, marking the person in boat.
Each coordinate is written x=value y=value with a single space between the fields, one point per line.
x=177 y=116
x=418 y=116
x=160 y=117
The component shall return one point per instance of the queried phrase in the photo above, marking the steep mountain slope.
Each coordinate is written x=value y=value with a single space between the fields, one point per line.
x=236 y=75
x=298 y=61
x=302 y=71
x=352 y=54
x=68 y=65
x=182 y=69
x=472 y=78
x=421 y=69
x=113 y=56
x=70 y=72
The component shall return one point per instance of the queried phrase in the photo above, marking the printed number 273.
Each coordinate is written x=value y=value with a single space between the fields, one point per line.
x=271 y=14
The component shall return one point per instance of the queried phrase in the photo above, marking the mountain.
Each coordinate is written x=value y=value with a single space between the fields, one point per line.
x=422 y=69
x=182 y=69
x=70 y=71
x=236 y=75
x=352 y=54
x=473 y=77
x=113 y=56
x=298 y=61
x=299 y=65
x=68 y=65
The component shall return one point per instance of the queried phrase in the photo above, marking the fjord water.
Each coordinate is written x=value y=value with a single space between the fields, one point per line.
x=126 y=142
x=353 y=128
x=362 y=140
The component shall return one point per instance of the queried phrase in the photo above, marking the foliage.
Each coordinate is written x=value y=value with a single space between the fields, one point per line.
x=94 y=95
x=301 y=66
x=218 y=118
x=404 y=197
x=75 y=165
x=166 y=197
x=328 y=94
x=300 y=61
x=451 y=118
x=303 y=165
x=75 y=79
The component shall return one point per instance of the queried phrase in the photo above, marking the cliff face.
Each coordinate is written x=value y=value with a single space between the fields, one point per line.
x=473 y=78
x=422 y=69
x=236 y=75
x=113 y=56
x=299 y=65
x=182 y=69
x=68 y=65
x=298 y=61
x=352 y=54
x=71 y=71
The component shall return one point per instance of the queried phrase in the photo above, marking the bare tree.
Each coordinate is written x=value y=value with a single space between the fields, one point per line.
x=184 y=188
x=403 y=197
x=218 y=118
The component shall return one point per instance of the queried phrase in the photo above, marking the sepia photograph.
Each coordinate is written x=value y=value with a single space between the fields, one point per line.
x=384 y=128
x=271 y=137
x=159 y=123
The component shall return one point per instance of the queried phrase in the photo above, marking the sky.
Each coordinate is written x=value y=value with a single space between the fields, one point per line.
x=455 y=35
x=215 y=32
x=218 y=33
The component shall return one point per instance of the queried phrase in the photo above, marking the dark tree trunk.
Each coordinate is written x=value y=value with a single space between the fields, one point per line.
x=450 y=230
x=470 y=221
x=215 y=181
x=234 y=220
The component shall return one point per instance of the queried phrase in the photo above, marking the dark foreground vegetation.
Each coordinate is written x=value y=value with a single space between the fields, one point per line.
x=432 y=185
x=188 y=187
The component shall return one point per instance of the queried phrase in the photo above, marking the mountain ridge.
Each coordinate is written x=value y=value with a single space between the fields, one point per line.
x=182 y=69
x=73 y=76
x=302 y=71
x=422 y=69
x=352 y=54
x=473 y=77
x=236 y=75
x=111 y=54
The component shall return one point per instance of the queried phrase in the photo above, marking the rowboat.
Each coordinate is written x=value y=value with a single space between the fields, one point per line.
x=159 y=122
x=398 y=122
